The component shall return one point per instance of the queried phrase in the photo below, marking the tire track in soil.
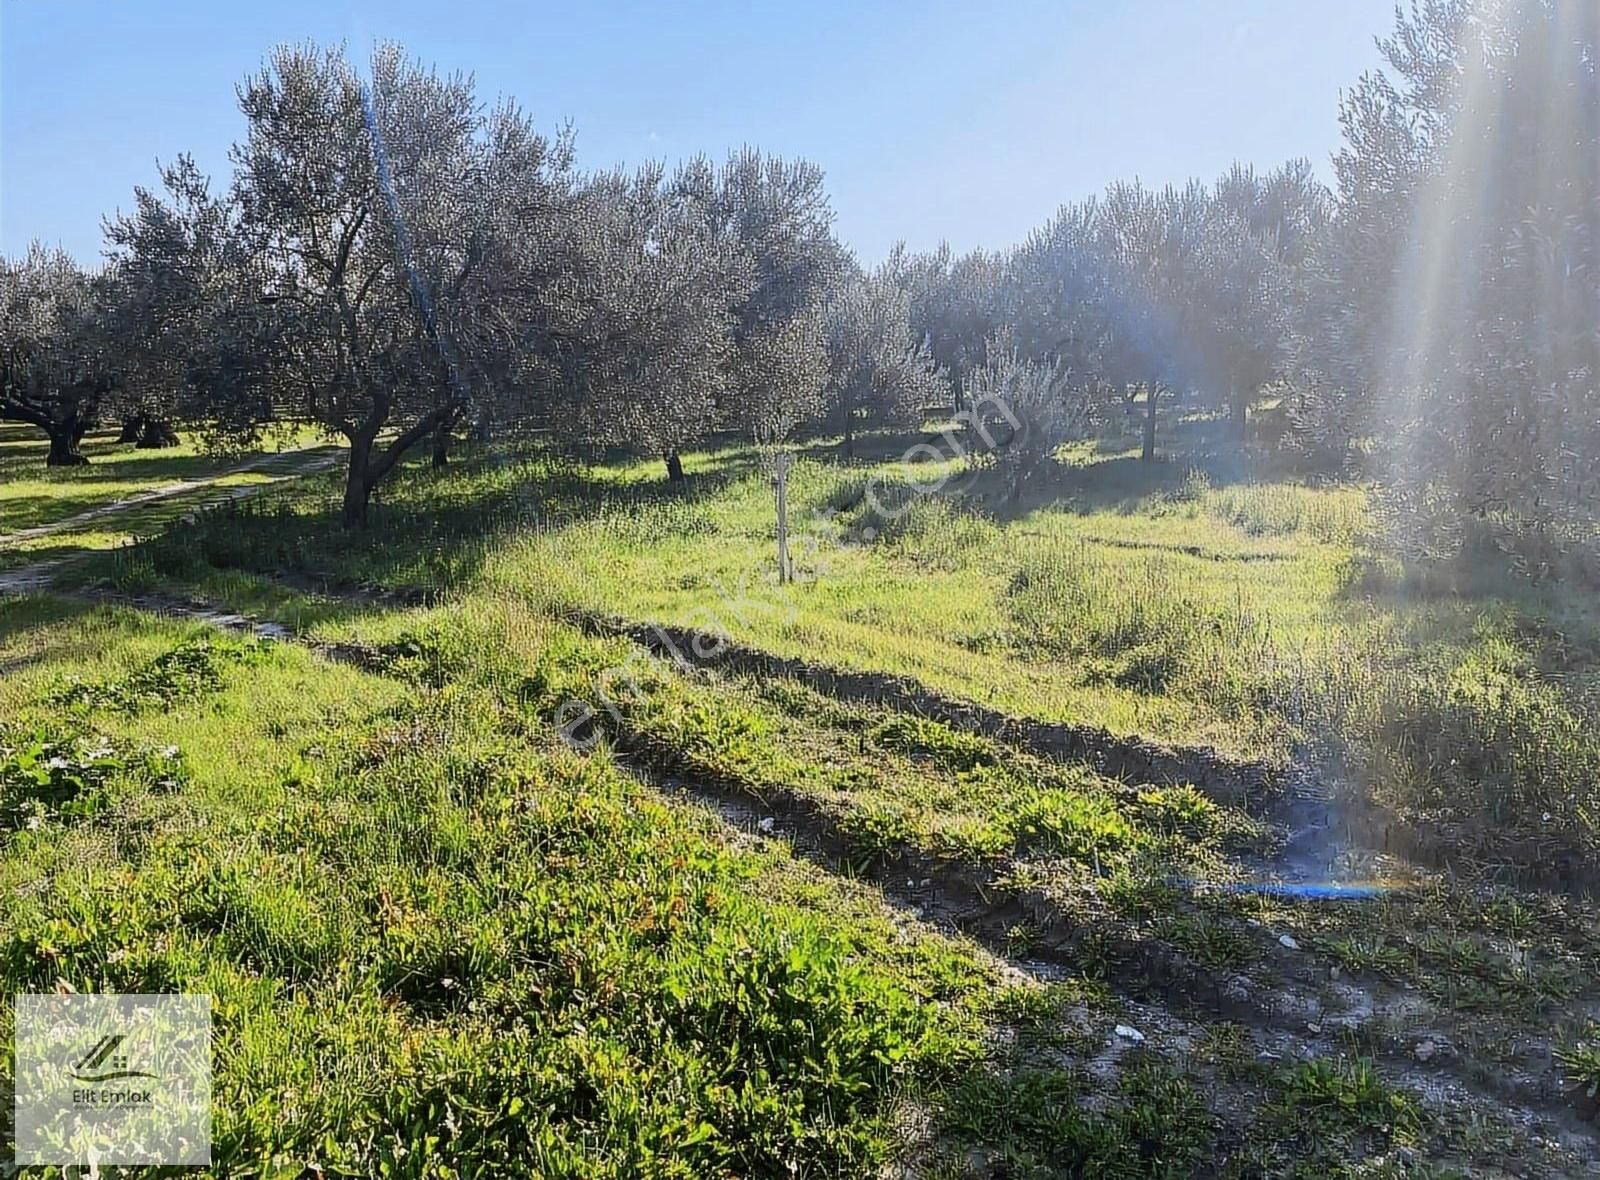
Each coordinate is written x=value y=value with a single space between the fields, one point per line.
x=1284 y=793
x=268 y=463
x=981 y=903
x=1169 y=1019
x=1231 y=781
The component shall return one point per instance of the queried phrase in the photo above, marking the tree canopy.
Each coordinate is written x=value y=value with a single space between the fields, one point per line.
x=393 y=259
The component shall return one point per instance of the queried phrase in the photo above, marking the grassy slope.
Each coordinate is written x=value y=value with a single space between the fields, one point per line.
x=1447 y=1020
x=434 y=942
x=1206 y=609
x=437 y=941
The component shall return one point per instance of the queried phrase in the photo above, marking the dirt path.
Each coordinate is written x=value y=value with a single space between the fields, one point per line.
x=285 y=466
x=264 y=463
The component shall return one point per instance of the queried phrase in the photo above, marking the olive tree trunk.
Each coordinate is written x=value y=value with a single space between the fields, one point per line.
x=155 y=435
x=441 y=443
x=64 y=449
x=357 y=484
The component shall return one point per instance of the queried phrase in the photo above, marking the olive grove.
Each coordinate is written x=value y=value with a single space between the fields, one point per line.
x=395 y=262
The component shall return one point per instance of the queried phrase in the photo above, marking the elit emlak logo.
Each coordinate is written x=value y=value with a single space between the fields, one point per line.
x=113 y=1066
x=121 y=1080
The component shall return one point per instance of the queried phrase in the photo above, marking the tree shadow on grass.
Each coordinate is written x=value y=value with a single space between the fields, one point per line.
x=1124 y=485
x=115 y=474
x=102 y=488
x=22 y=456
x=872 y=448
x=20 y=616
x=45 y=552
x=19 y=513
x=1114 y=478
x=428 y=531
x=1486 y=568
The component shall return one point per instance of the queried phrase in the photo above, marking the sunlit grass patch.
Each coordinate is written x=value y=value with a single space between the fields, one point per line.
x=32 y=494
x=1332 y=515
x=426 y=885
x=400 y=904
x=1186 y=605
x=1146 y=620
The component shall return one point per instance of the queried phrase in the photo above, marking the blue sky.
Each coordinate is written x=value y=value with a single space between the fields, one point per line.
x=966 y=122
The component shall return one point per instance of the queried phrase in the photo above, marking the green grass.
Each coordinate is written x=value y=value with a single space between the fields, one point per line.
x=433 y=943
x=457 y=911
x=1580 y=1061
x=441 y=944
x=1257 y=616
x=888 y=784
x=34 y=496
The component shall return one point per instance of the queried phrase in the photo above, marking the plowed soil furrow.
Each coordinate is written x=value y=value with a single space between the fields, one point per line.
x=1257 y=785
x=1155 y=979
x=982 y=903
x=988 y=903
x=1228 y=780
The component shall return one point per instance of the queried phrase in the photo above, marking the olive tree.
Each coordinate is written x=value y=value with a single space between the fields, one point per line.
x=775 y=214
x=1039 y=404
x=956 y=306
x=1058 y=296
x=645 y=342
x=1450 y=309
x=177 y=261
x=58 y=358
x=879 y=374
x=1152 y=243
x=697 y=304
x=1255 y=238
x=371 y=206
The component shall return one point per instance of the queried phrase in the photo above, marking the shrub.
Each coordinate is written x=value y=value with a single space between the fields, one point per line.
x=878 y=830
x=1580 y=1061
x=43 y=776
x=189 y=670
x=1481 y=733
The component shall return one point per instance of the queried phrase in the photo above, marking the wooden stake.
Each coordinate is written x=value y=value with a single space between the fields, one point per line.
x=781 y=483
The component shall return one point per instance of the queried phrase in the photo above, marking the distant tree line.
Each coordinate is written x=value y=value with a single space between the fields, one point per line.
x=1433 y=322
x=397 y=263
